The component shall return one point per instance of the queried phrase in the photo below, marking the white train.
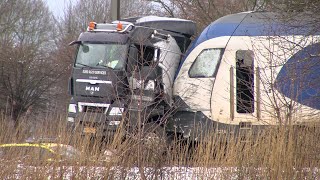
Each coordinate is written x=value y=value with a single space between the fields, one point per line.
x=247 y=71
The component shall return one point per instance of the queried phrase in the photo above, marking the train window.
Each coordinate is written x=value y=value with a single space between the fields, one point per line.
x=206 y=63
x=245 y=81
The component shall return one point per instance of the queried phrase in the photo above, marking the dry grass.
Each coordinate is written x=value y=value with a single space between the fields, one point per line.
x=278 y=153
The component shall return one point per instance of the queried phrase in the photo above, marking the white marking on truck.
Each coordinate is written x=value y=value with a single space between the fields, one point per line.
x=91 y=81
x=88 y=88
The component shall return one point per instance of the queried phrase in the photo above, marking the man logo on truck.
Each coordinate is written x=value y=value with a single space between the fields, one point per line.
x=88 y=88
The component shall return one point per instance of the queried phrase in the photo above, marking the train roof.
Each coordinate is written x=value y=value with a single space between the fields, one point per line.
x=255 y=24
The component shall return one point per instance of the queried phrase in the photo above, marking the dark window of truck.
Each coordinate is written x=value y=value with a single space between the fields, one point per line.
x=206 y=63
x=146 y=56
x=245 y=81
x=140 y=56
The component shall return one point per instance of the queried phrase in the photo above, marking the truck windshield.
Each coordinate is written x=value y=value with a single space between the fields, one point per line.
x=101 y=55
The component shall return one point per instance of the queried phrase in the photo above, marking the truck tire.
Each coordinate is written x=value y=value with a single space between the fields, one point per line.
x=155 y=138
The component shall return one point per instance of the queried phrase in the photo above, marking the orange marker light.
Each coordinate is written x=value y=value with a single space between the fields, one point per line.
x=119 y=26
x=92 y=26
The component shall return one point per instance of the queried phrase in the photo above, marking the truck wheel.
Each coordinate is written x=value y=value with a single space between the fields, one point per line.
x=155 y=138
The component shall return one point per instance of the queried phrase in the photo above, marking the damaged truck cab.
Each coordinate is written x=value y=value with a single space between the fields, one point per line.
x=123 y=70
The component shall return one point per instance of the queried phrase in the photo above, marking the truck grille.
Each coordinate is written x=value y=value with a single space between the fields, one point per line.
x=93 y=109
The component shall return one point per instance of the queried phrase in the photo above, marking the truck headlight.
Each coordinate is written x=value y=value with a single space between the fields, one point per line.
x=70 y=119
x=150 y=85
x=139 y=84
x=116 y=111
x=72 y=108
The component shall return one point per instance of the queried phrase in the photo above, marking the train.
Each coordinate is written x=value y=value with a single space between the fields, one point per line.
x=248 y=71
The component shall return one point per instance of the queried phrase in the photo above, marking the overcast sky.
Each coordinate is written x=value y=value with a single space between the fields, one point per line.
x=58 y=6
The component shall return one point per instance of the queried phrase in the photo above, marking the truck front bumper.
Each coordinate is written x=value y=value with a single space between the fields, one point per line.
x=97 y=124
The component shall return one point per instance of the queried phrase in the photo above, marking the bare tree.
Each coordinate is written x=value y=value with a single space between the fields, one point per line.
x=165 y=8
x=27 y=71
x=203 y=12
x=134 y=8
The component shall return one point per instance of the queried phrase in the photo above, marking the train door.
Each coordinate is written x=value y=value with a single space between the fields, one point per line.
x=244 y=90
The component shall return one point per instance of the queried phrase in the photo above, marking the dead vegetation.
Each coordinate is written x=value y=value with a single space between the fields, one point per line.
x=275 y=153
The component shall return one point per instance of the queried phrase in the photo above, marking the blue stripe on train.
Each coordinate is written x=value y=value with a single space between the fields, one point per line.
x=299 y=78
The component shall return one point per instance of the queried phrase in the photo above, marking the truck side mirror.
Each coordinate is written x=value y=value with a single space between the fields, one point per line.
x=74 y=42
x=70 y=87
